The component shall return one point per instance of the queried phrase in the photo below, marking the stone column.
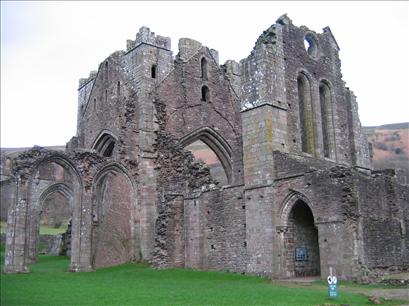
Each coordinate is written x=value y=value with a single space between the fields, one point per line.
x=81 y=239
x=258 y=179
x=16 y=244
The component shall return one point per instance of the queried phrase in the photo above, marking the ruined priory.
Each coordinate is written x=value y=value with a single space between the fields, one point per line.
x=298 y=196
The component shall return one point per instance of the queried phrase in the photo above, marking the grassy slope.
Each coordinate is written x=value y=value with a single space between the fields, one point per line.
x=135 y=284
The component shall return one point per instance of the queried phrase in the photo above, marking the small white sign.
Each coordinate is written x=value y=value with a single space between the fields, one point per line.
x=332 y=280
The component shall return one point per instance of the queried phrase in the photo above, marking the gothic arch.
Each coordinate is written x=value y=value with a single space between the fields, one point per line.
x=23 y=221
x=326 y=97
x=104 y=143
x=115 y=217
x=37 y=194
x=215 y=142
x=306 y=112
x=203 y=68
x=299 y=237
x=287 y=205
x=58 y=158
x=62 y=188
x=113 y=167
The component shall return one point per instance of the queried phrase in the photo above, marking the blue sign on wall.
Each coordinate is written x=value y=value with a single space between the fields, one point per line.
x=301 y=254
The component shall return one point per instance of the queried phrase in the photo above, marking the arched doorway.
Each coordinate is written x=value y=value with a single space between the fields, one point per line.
x=51 y=209
x=114 y=239
x=55 y=215
x=303 y=241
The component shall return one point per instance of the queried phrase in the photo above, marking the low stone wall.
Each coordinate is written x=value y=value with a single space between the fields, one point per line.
x=49 y=244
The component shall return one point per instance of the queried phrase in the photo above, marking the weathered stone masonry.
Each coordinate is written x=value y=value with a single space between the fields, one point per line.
x=300 y=197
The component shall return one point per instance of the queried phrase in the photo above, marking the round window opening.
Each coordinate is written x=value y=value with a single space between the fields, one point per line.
x=311 y=45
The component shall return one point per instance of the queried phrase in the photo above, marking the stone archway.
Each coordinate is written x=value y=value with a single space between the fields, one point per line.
x=115 y=223
x=55 y=208
x=52 y=175
x=305 y=239
x=38 y=172
x=300 y=238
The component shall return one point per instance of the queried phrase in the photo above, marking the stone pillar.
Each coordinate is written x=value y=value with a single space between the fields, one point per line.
x=33 y=218
x=147 y=192
x=258 y=179
x=264 y=124
x=147 y=200
x=16 y=244
x=81 y=236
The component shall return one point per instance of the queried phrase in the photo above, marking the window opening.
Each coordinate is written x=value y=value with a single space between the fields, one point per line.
x=203 y=65
x=202 y=152
x=205 y=93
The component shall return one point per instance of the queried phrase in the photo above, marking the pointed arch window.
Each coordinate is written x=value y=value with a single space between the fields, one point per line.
x=214 y=151
x=205 y=93
x=305 y=113
x=202 y=152
x=203 y=69
x=105 y=145
x=327 y=121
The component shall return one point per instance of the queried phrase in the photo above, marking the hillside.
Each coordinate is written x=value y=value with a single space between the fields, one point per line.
x=390 y=144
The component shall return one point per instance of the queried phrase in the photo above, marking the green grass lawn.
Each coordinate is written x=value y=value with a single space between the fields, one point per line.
x=3 y=227
x=44 y=229
x=136 y=284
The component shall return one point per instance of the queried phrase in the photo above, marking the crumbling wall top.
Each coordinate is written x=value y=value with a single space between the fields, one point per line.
x=84 y=81
x=145 y=36
x=188 y=47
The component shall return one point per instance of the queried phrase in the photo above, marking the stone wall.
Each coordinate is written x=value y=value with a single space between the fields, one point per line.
x=215 y=230
x=371 y=212
x=324 y=191
x=384 y=215
x=183 y=113
x=321 y=64
x=48 y=244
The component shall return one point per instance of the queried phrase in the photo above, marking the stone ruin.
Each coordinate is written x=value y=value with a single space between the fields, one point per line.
x=299 y=195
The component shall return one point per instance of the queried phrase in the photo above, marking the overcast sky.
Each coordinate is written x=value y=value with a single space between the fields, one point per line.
x=47 y=46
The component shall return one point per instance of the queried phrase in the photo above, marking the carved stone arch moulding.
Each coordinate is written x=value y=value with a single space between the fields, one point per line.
x=216 y=143
x=104 y=143
x=65 y=190
x=27 y=163
x=114 y=167
x=288 y=203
